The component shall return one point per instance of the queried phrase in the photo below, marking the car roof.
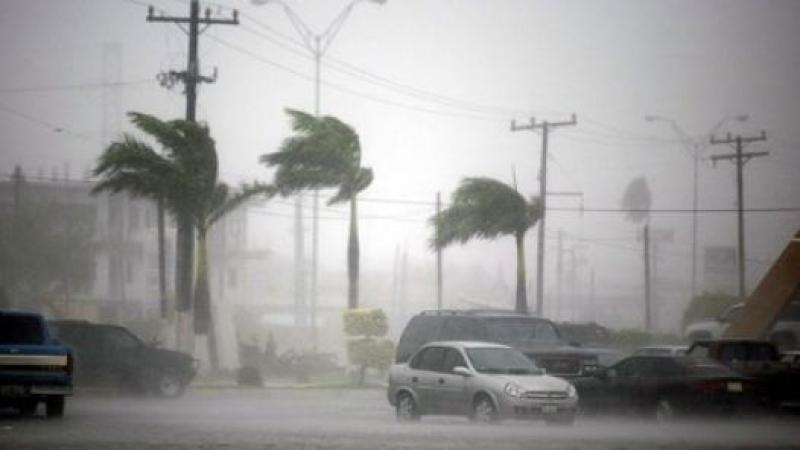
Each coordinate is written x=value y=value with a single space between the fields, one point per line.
x=478 y=313
x=466 y=344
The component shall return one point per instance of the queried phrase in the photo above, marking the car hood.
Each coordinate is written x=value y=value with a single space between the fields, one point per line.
x=535 y=382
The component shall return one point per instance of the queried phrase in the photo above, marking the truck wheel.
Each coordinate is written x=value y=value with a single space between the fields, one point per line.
x=55 y=406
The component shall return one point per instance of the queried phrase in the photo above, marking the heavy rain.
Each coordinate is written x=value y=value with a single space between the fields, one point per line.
x=399 y=224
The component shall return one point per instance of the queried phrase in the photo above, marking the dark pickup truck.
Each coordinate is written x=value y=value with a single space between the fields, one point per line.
x=34 y=368
x=778 y=381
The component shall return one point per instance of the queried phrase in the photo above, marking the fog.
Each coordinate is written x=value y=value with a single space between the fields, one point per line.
x=432 y=88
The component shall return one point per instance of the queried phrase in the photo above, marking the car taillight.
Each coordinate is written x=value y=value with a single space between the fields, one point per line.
x=707 y=386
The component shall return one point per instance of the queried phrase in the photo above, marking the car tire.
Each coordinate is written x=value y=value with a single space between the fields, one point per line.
x=483 y=410
x=664 y=411
x=54 y=406
x=406 y=408
x=168 y=385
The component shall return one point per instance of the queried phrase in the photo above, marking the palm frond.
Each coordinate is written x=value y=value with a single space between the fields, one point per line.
x=353 y=185
x=227 y=201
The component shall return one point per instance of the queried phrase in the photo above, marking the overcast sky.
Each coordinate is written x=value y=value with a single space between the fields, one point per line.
x=431 y=86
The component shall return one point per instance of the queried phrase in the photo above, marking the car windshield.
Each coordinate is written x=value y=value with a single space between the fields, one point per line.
x=20 y=330
x=501 y=360
x=523 y=332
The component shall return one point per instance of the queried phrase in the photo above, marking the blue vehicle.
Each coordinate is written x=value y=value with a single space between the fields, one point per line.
x=34 y=368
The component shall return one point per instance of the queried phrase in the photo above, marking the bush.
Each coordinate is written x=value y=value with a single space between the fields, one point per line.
x=363 y=326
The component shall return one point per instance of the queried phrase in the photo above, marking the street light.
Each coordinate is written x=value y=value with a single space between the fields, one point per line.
x=694 y=147
x=317 y=44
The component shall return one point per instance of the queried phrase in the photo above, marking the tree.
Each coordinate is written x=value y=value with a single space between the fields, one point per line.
x=185 y=178
x=212 y=207
x=49 y=248
x=324 y=152
x=636 y=200
x=485 y=208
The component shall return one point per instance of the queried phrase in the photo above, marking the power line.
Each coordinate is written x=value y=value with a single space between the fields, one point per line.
x=75 y=86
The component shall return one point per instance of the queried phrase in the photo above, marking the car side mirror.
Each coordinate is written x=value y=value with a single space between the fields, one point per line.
x=463 y=371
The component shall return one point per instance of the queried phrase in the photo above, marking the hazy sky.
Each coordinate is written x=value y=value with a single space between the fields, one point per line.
x=431 y=86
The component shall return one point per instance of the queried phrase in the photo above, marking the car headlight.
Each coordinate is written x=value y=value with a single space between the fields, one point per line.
x=514 y=390
x=571 y=391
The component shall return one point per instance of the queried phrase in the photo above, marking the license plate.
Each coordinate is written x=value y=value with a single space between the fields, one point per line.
x=12 y=391
x=735 y=387
x=549 y=409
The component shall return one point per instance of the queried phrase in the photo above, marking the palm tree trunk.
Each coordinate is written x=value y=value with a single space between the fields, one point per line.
x=203 y=320
x=522 y=300
x=184 y=265
x=162 y=262
x=352 y=256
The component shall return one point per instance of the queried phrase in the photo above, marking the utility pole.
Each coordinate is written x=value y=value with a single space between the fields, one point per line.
x=740 y=159
x=438 y=255
x=559 y=272
x=185 y=233
x=647 y=297
x=545 y=126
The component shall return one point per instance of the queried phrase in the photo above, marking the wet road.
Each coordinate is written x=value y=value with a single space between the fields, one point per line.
x=347 y=419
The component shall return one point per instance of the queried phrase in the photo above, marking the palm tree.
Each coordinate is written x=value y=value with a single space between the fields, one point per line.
x=185 y=177
x=212 y=208
x=324 y=152
x=485 y=208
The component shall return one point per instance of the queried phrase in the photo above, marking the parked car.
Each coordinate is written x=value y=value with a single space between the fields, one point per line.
x=778 y=380
x=663 y=387
x=784 y=334
x=536 y=337
x=483 y=381
x=110 y=355
x=34 y=367
x=661 y=350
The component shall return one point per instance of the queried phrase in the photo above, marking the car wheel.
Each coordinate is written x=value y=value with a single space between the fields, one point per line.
x=54 y=406
x=406 y=408
x=483 y=410
x=168 y=385
x=665 y=412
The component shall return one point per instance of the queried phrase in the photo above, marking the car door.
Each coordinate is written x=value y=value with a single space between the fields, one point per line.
x=450 y=390
x=622 y=385
x=425 y=371
x=123 y=354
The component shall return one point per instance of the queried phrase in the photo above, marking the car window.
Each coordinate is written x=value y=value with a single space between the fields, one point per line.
x=500 y=360
x=662 y=367
x=699 y=351
x=627 y=368
x=461 y=329
x=419 y=331
x=19 y=329
x=430 y=359
x=118 y=339
x=452 y=358
x=733 y=353
x=762 y=352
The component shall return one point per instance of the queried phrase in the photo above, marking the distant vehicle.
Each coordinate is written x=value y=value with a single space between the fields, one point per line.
x=585 y=334
x=791 y=357
x=483 y=381
x=665 y=387
x=537 y=338
x=661 y=350
x=785 y=333
x=778 y=381
x=34 y=368
x=110 y=355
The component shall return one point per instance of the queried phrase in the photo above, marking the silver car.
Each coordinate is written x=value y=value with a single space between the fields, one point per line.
x=481 y=380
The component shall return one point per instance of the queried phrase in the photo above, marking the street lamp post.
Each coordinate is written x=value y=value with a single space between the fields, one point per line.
x=694 y=148
x=317 y=44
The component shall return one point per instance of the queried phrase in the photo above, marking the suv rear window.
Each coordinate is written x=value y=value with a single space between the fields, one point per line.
x=19 y=329
x=521 y=332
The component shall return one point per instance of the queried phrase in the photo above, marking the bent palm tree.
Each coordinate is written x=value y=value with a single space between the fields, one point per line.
x=324 y=153
x=185 y=177
x=485 y=208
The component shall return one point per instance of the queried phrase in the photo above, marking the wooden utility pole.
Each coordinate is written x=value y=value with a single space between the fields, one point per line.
x=740 y=159
x=545 y=126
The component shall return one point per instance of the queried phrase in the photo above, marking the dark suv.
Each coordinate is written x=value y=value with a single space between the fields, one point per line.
x=538 y=338
x=110 y=355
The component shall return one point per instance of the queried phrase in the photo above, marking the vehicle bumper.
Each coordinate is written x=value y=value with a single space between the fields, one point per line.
x=533 y=409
